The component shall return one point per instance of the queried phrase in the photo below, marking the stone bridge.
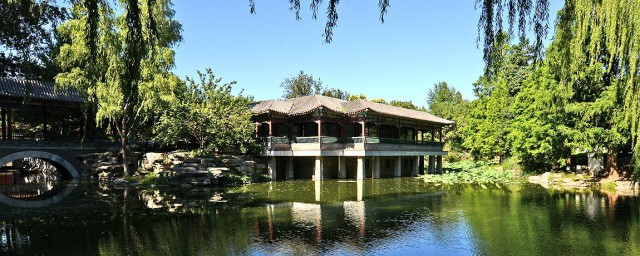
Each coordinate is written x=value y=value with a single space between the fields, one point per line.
x=63 y=155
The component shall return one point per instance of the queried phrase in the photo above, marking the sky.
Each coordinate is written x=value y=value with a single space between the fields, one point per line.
x=419 y=44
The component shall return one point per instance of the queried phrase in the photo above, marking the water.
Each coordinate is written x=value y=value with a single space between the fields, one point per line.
x=401 y=216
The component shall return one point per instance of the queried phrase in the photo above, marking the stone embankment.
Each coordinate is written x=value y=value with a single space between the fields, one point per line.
x=179 y=168
x=583 y=181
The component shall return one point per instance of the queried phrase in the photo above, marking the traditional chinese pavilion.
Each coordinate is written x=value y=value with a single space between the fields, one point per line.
x=322 y=137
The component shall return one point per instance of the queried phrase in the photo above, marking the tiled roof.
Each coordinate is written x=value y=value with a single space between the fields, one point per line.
x=12 y=87
x=308 y=104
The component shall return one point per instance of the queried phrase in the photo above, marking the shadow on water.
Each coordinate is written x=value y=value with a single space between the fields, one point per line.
x=385 y=216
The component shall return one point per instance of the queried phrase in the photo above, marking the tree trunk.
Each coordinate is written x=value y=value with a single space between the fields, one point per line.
x=125 y=156
x=612 y=165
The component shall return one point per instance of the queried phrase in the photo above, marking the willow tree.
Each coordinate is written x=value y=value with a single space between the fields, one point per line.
x=119 y=56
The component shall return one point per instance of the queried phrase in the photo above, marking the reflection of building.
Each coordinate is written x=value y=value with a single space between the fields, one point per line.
x=322 y=137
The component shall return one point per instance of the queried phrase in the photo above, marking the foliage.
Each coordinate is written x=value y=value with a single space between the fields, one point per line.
x=447 y=102
x=404 y=104
x=210 y=114
x=354 y=97
x=28 y=40
x=301 y=85
x=336 y=93
x=379 y=100
x=118 y=55
x=469 y=172
x=491 y=115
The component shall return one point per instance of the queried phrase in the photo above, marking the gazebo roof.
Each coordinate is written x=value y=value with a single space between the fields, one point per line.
x=17 y=88
x=307 y=104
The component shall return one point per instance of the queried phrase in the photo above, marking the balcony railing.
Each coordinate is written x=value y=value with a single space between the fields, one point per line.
x=348 y=140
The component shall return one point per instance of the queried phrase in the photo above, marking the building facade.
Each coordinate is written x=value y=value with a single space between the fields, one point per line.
x=321 y=137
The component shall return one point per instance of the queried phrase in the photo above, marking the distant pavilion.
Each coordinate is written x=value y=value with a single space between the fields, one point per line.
x=321 y=137
x=28 y=105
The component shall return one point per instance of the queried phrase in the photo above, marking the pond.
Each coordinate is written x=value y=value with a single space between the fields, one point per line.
x=402 y=216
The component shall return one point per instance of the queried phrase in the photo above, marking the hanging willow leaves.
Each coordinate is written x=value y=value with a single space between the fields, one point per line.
x=121 y=63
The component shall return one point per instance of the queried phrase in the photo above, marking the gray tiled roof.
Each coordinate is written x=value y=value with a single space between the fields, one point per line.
x=13 y=87
x=308 y=104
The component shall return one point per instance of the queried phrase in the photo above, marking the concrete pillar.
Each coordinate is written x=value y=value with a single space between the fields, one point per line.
x=416 y=166
x=318 y=169
x=342 y=167
x=432 y=166
x=290 y=168
x=318 y=190
x=439 y=164
x=360 y=189
x=398 y=171
x=272 y=168
x=376 y=168
x=360 y=168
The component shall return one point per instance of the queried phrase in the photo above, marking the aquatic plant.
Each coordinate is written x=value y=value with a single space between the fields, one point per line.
x=467 y=172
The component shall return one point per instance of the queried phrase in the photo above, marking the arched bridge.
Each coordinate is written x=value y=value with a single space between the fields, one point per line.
x=63 y=155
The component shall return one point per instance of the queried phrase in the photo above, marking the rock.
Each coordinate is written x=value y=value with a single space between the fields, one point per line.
x=119 y=181
x=218 y=171
x=180 y=169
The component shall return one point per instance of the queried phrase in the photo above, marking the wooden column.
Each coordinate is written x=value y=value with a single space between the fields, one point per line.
x=421 y=165
x=270 y=127
x=9 y=123
x=433 y=135
x=319 y=122
x=440 y=134
x=439 y=164
x=363 y=125
x=3 y=113
x=44 y=125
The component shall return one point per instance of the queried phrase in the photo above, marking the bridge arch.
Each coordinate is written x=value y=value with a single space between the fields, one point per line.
x=56 y=160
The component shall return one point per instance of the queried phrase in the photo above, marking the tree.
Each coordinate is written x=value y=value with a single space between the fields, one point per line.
x=491 y=115
x=119 y=57
x=403 y=104
x=354 y=97
x=28 y=40
x=210 y=114
x=447 y=102
x=379 y=100
x=336 y=93
x=301 y=85
x=539 y=133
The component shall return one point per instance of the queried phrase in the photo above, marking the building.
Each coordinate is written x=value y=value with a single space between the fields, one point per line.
x=322 y=137
x=34 y=110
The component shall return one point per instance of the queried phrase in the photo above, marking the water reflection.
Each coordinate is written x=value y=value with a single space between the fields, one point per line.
x=392 y=216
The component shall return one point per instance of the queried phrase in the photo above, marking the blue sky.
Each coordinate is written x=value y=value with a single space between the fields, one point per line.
x=420 y=43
